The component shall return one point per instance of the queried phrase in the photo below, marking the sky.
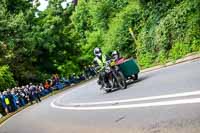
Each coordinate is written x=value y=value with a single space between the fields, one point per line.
x=44 y=4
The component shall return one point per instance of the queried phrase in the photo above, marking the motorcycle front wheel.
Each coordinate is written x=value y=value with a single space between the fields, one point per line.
x=121 y=80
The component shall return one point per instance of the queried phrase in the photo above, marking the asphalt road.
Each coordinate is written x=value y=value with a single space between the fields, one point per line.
x=165 y=100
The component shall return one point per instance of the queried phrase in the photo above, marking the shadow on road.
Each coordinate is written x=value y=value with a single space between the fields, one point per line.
x=139 y=80
x=133 y=82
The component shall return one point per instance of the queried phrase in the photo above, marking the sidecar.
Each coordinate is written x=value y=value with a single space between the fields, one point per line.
x=129 y=68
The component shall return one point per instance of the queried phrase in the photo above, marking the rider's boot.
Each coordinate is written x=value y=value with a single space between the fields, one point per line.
x=107 y=85
x=99 y=82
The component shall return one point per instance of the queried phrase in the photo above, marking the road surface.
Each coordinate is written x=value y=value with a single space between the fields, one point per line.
x=161 y=101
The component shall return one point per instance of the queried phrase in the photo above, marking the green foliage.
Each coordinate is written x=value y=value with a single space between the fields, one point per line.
x=162 y=58
x=174 y=27
x=95 y=39
x=195 y=45
x=171 y=29
x=81 y=19
x=179 y=50
x=146 y=60
x=118 y=36
x=91 y=20
x=6 y=78
x=160 y=27
x=35 y=46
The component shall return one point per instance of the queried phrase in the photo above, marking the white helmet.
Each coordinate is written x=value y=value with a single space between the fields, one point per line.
x=97 y=52
x=115 y=54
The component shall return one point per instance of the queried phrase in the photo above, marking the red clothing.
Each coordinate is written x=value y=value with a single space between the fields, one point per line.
x=120 y=61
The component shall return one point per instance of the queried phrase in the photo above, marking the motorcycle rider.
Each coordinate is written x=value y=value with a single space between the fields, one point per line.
x=100 y=61
x=117 y=58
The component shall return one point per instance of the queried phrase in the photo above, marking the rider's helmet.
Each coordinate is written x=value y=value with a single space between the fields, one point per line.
x=115 y=55
x=97 y=52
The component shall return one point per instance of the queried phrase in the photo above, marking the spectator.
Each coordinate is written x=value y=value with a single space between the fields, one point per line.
x=11 y=101
x=72 y=79
x=22 y=97
x=31 y=94
x=14 y=100
x=81 y=77
x=37 y=93
x=43 y=90
x=87 y=73
x=47 y=86
x=55 y=79
x=3 y=102
x=7 y=102
x=65 y=81
x=92 y=71
x=26 y=92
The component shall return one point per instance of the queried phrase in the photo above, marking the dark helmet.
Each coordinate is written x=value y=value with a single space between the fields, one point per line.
x=97 y=52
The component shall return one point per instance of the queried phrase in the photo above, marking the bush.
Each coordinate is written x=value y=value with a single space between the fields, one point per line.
x=195 y=45
x=162 y=57
x=6 y=78
x=179 y=50
x=163 y=29
x=118 y=36
x=146 y=60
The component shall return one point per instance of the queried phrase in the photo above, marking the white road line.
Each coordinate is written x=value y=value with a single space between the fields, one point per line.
x=153 y=104
x=140 y=99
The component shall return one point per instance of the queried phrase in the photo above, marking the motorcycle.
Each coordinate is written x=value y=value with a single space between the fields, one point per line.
x=113 y=79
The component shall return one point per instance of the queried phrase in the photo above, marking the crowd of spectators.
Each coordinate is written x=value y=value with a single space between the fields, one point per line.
x=90 y=71
x=13 y=99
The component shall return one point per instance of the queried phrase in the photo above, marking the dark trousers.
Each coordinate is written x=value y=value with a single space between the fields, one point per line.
x=37 y=97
